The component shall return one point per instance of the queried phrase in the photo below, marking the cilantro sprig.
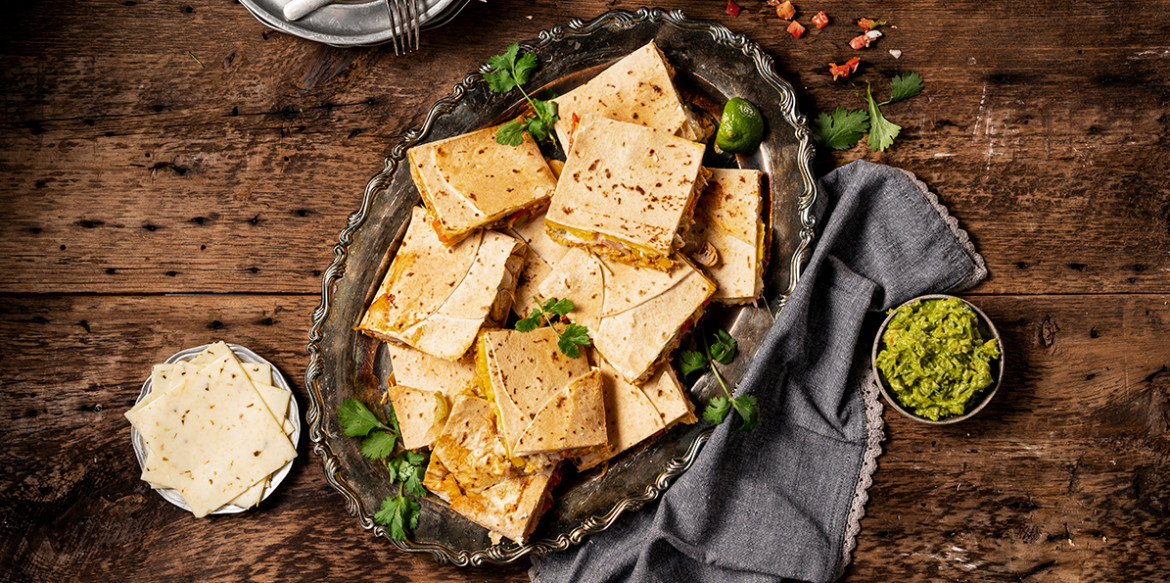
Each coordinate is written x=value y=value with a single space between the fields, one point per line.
x=512 y=71
x=399 y=513
x=723 y=351
x=843 y=128
x=553 y=310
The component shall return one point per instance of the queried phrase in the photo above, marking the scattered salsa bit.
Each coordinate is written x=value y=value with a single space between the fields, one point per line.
x=784 y=10
x=850 y=66
x=821 y=20
x=935 y=359
x=868 y=24
x=732 y=8
x=860 y=42
x=795 y=29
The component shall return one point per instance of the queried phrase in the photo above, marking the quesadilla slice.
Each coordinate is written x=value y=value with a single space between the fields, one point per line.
x=729 y=218
x=639 y=89
x=626 y=191
x=420 y=414
x=546 y=402
x=635 y=316
x=635 y=413
x=471 y=471
x=417 y=369
x=436 y=298
x=471 y=181
x=543 y=253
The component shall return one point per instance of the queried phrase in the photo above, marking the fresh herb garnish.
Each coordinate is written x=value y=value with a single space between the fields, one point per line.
x=400 y=512
x=723 y=351
x=512 y=71
x=843 y=128
x=554 y=310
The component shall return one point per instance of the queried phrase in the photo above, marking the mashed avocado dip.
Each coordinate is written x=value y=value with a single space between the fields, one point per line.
x=934 y=358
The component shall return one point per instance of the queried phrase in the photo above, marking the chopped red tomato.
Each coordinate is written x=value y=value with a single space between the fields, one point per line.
x=850 y=66
x=865 y=23
x=573 y=123
x=732 y=8
x=785 y=10
x=795 y=29
x=438 y=226
x=860 y=42
x=821 y=20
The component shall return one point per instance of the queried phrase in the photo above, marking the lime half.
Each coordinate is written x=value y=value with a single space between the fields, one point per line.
x=742 y=127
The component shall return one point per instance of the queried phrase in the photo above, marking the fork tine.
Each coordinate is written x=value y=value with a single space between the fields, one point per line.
x=395 y=26
x=414 y=14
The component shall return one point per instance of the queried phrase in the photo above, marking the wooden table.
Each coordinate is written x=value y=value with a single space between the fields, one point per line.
x=172 y=173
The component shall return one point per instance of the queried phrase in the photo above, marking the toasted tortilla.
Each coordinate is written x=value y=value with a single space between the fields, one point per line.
x=639 y=89
x=419 y=370
x=420 y=413
x=436 y=298
x=469 y=447
x=543 y=253
x=626 y=191
x=729 y=217
x=635 y=316
x=532 y=381
x=635 y=413
x=471 y=181
x=573 y=418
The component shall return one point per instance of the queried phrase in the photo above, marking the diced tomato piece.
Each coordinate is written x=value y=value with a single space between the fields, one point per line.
x=795 y=29
x=821 y=20
x=860 y=42
x=786 y=10
x=865 y=23
x=732 y=8
x=850 y=66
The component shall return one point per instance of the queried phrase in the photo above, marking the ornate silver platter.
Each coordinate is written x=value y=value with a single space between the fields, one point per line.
x=713 y=65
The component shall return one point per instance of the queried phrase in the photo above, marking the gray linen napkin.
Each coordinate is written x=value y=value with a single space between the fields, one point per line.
x=785 y=501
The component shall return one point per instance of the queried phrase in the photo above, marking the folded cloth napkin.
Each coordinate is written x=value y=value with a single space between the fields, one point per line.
x=785 y=500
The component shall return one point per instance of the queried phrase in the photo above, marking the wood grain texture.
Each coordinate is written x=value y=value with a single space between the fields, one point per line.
x=150 y=148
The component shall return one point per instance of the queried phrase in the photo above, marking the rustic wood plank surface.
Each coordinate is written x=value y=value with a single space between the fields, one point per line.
x=175 y=172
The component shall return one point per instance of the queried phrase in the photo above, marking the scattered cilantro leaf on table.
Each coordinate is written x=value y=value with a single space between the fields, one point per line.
x=842 y=129
x=571 y=338
x=512 y=71
x=723 y=351
x=904 y=86
x=881 y=131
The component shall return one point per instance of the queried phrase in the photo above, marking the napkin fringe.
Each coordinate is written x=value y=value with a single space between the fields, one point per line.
x=875 y=434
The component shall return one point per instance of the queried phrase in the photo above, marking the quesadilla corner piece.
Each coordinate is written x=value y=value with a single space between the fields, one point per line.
x=546 y=402
x=639 y=88
x=421 y=414
x=626 y=192
x=729 y=217
x=435 y=298
x=543 y=253
x=470 y=470
x=470 y=181
x=635 y=413
x=635 y=316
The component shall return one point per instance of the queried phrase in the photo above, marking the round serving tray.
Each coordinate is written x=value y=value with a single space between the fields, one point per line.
x=713 y=64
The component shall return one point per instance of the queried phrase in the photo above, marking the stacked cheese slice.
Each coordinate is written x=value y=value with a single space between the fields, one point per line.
x=215 y=430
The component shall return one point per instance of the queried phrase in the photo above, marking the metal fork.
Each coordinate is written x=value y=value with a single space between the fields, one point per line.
x=405 y=24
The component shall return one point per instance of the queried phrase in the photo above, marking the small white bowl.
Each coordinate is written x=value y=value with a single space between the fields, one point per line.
x=979 y=401
x=294 y=416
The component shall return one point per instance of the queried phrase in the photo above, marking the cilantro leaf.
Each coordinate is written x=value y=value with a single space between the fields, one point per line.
x=398 y=514
x=904 y=86
x=560 y=307
x=574 y=335
x=530 y=323
x=379 y=445
x=717 y=410
x=511 y=133
x=522 y=72
x=692 y=361
x=842 y=129
x=502 y=79
x=881 y=131
x=538 y=129
x=356 y=420
x=723 y=351
x=748 y=410
x=407 y=467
